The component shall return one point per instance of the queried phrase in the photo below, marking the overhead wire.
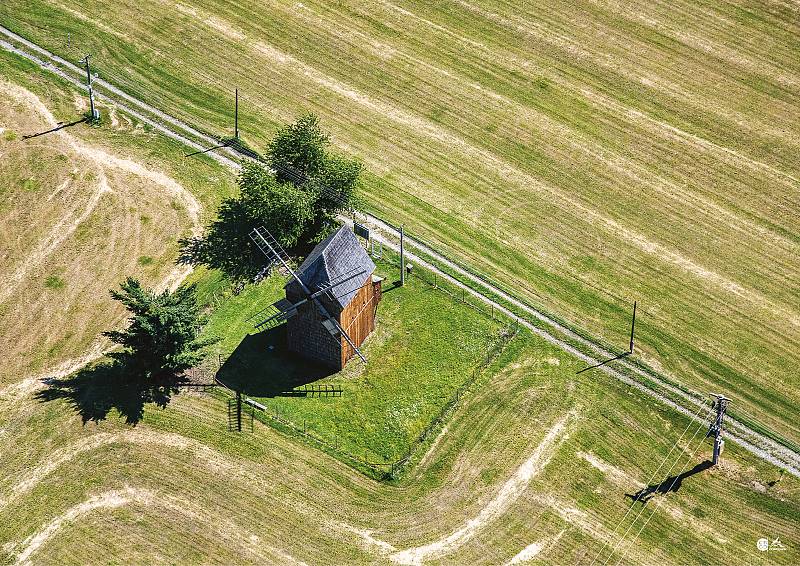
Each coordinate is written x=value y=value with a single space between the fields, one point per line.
x=652 y=476
x=636 y=518
x=660 y=501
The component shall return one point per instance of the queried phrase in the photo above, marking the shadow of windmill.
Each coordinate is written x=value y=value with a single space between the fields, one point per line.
x=671 y=484
x=261 y=366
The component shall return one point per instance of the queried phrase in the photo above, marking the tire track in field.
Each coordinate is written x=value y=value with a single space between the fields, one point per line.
x=758 y=444
x=244 y=540
x=106 y=500
x=495 y=508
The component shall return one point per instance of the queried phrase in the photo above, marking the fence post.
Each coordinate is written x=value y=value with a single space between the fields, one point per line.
x=402 y=258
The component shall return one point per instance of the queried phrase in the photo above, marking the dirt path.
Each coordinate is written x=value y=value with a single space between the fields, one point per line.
x=249 y=545
x=107 y=500
x=756 y=443
x=507 y=495
x=534 y=549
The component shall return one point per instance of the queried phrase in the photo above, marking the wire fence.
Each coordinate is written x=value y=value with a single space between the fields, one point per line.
x=272 y=416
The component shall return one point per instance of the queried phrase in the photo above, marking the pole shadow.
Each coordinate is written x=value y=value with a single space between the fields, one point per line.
x=671 y=484
x=608 y=361
x=60 y=126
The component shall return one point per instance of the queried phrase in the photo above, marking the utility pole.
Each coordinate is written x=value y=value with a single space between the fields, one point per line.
x=94 y=113
x=633 y=324
x=402 y=259
x=715 y=429
x=236 y=117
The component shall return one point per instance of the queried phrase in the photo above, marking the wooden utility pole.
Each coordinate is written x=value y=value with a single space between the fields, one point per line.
x=94 y=113
x=402 y=259
x=633 y=325
x=721 y=405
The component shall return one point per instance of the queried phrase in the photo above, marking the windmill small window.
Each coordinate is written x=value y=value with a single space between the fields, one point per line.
x=323 y=293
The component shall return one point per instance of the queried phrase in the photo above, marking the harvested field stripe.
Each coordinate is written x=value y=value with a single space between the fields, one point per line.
x=507 y=495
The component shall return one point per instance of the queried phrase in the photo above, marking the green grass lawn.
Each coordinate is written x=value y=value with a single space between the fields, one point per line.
x=425 y=346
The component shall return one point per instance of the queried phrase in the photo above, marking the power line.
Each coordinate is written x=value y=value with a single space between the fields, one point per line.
x=650 y=480
x=660 y=501
x=636 y=518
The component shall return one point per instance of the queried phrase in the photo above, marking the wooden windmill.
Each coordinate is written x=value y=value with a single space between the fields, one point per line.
x=331 y=300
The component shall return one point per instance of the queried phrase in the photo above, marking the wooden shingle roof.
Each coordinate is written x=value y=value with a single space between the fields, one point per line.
x=339 y=257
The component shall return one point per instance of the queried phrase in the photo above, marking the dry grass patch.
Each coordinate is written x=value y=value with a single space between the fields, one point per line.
x=75 y=235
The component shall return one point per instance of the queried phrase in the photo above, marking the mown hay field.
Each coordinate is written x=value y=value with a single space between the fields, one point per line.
x=534 y=465
x=534 y=462
x=585 y=154
x=80 y=210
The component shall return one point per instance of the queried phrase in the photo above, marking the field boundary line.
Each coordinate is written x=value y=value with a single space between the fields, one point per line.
x=757 y=443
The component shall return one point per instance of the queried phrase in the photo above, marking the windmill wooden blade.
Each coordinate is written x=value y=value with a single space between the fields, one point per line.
x=270 y=247
x=273 y=251
x=278 y=312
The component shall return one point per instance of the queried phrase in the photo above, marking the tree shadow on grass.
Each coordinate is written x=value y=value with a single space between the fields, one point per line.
x=96 y=390
x=672 y=483
x=261 y=366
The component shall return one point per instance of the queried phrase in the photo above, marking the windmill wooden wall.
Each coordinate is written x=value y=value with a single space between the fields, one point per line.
x=306 y=335
x=358 y=318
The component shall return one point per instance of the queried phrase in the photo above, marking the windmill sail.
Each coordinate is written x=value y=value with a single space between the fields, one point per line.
x=274 y=252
